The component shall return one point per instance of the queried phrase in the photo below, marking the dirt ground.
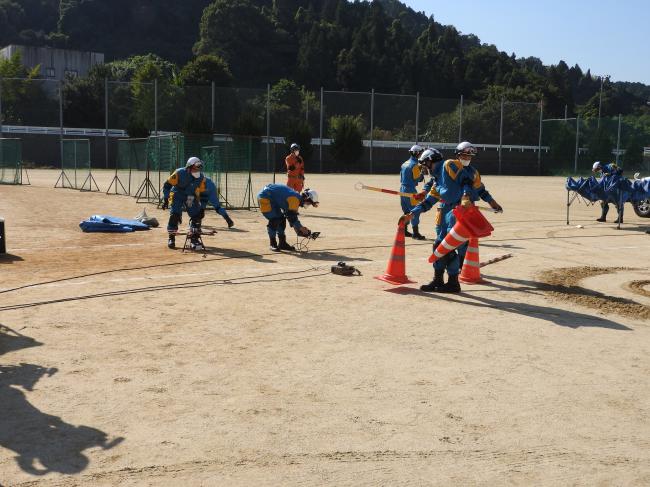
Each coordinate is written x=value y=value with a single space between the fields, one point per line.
x=125 y=363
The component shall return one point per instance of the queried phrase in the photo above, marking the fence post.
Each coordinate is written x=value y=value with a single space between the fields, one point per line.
x=61 y=121
x=155 y=106
x=1 y=119
x=213 y=103
x=539 y=145
x=501 y=134
x=320 y=140
x=575 y=162
x=618 y=139
x=417 y=116
x=460 y=121
x=106 y=123
x=268 y=126
x=372 y=122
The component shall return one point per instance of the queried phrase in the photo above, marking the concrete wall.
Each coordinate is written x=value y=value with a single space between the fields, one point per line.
x=62 y=60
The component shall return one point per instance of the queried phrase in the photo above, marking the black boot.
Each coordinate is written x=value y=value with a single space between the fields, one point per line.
x=406 y=231
x=435 y=285
x=603 y=215
x=284 y=245
x=416 y=234
x=273 y=243
x=230 y=222
x=452 y=286
x=171 y=243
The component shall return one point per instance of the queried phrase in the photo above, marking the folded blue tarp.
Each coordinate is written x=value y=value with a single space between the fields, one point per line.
x=105 y=223
x=613 y=189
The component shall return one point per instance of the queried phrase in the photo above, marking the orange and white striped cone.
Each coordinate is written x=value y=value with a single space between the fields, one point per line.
x=396 y=268
x=471 y=272
x=456 y=237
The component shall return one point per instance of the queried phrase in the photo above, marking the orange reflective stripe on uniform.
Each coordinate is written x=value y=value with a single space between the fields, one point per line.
x=294 y=203
x=477 y=180
x=434 y=192
x=173 y=179
x=417 y=172
x=453 y=167
x=265 y=205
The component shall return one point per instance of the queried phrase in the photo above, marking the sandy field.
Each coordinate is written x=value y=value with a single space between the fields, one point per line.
x=125 y=363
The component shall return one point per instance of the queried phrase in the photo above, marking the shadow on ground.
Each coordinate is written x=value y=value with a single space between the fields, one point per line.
x=42 y=442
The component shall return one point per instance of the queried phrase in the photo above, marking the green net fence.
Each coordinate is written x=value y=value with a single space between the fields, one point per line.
x=76 y=167
x=11 y=171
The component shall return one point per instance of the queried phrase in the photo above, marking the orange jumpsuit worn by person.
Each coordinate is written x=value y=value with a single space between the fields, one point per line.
x=295 y=172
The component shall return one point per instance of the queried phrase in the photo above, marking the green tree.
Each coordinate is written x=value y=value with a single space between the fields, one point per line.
x=346 y=133
x=600 y=145
x=205 y=69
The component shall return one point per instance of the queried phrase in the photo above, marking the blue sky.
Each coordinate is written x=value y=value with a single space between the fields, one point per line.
x=610 y=38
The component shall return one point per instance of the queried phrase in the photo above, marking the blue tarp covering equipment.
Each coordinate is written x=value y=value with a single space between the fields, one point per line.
x=105 y=223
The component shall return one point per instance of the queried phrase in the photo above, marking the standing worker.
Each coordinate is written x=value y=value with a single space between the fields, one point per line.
x=410 y=175
x=609 y=173
x=181 y=189
x=458 y=184
x=295 y=169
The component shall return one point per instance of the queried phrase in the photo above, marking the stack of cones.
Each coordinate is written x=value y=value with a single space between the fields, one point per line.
x=396 y=268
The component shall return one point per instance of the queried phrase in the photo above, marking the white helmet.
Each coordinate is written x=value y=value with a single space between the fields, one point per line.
x=311 y=196
x=597 y=166
x=466 y=148
x=416 y=150
x=194 y=161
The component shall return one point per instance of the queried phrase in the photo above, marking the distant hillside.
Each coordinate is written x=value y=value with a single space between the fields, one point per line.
x=337 y=44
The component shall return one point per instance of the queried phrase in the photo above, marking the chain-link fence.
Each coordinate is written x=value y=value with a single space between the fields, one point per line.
x=338 y=131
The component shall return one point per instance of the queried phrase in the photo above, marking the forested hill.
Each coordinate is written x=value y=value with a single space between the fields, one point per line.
x=338 y=44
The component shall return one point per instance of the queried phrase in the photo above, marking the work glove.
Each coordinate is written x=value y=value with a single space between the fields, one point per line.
x=420 y=196
x=165 y=204
x=496 y=206
x=304 y=232
x=406 y=218
x=465 y=202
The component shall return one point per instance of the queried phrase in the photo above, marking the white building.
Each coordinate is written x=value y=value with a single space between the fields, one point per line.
x=55 y=64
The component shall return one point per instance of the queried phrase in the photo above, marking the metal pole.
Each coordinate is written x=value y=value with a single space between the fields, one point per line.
x=1 y=119
x=106 y=124
x=566 y=111
x=618 y=139
x=460 y=121
x=213 y=104
x=155 y=106
x=372 y=122
x=268 y=126
x=320 y=140
x=307 y=107
x=61 y=123
x=575 y=162
x=501 y=134
x=600 y=102
x=417 y=116
x=539 y=145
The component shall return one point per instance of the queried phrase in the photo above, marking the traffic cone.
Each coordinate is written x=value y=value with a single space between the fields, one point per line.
x=470 y=223
x=396 y=268
x=471 y=272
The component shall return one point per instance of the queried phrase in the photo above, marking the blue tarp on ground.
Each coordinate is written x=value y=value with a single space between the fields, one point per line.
x=613 y=189
x=105 y=223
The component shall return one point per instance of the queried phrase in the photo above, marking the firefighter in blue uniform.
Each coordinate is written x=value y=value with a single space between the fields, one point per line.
x=279 y=203
x=458 y=183
x=609 y=172
x=431 y=159
x=180 y=190
x=410 y=176
x=208 y=194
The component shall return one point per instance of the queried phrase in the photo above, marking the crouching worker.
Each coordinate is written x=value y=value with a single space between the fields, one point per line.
x=208 y=194
x=279 y=203
x=181 y=190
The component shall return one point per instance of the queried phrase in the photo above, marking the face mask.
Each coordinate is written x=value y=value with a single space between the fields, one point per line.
x=296 y=153
x=196 y=175
x=465 y=162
